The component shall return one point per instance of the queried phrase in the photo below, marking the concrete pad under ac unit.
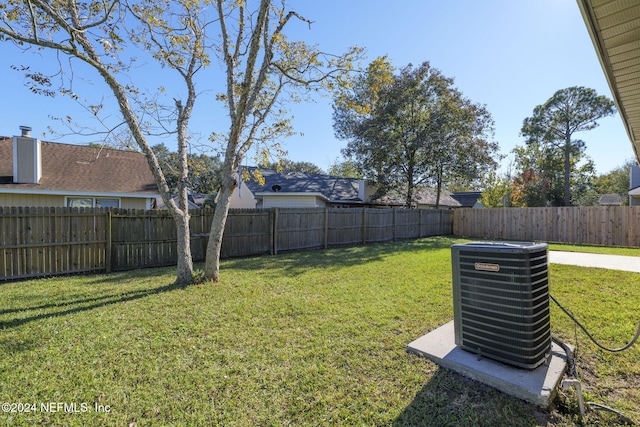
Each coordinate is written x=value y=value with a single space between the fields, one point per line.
x=537 y=386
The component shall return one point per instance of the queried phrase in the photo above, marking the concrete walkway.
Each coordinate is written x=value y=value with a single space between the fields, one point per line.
x=611 y=262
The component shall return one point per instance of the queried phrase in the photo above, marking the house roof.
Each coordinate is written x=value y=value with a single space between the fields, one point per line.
x=614 y=27
x=191 y=204
x=422 y=196
x=467 y=199
x=79 y=169
x=427 y=196
x=334 y=189
x=610 y=199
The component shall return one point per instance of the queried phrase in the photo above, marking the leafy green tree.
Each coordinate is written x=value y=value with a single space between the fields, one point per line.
x=496 y=191
x=539 y=175
x=615 y=182
x=412 y=129
x=345 y=169
x=463 y=151
x=204 y=170
x=287 y=165
x=570 y=110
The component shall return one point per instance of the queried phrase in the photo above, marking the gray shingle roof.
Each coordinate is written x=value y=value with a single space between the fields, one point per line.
x=333 y=188
x=467 y=199
x=610 y=199
x=427 y=196
x=421 y=196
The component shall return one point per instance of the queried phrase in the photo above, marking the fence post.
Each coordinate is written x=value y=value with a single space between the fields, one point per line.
x=107 y=246
x=275 y=231
x=364 y=226
x=393 y=216
x=326 y=228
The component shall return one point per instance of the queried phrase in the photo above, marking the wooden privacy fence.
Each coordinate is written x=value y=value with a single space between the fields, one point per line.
x=38 y=242
x=49 y=241
x=591 y=225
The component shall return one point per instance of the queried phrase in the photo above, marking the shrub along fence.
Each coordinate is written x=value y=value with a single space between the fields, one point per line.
x=38 y=242
x=590 y=225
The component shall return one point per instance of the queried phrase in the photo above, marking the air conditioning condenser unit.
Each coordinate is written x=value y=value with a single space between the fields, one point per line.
x=501 y=301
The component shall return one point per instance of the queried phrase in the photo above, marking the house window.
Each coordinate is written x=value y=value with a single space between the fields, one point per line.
x=92 y=202
x=107 y=203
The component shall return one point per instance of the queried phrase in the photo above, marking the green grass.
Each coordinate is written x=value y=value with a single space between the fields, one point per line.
x=314 y=338
x=607 y=250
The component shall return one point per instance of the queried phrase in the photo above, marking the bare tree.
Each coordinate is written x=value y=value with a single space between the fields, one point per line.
x=99 y=33
x=263 y=71
x=263 y=68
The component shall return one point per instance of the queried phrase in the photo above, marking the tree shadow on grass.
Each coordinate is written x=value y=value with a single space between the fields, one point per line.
x=98 y=276
x=449 y=399
x=80 y=305
x=296 y=263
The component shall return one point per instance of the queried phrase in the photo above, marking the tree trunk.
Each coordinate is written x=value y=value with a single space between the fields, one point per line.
x=409 y=196
x=410 y=184
x=214 y=247
x=567 y=173
x=185 y=264
x=438 y=188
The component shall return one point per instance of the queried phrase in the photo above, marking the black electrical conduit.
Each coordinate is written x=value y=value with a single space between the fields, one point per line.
x=613 y=350
x=572 y=371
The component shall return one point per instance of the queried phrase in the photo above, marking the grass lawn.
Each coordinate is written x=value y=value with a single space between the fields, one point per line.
x=607 y=250
x=313 y=338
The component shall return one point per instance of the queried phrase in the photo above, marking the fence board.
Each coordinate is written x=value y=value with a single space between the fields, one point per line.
x=300 y=229
x=407 y=224
x=344 y=227
x=591 y=225
x=33 y=244
x=38 y=242
x=379 y=225
x=247 y=232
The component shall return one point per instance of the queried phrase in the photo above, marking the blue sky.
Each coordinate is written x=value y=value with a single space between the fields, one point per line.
x=509 y=55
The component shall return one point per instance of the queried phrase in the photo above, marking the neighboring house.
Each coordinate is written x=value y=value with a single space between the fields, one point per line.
x=634 y=186
x=610 y=200
x=468 y=199
x=49 y=174
x=426 y=199
x=191 y=203
x=300 y=190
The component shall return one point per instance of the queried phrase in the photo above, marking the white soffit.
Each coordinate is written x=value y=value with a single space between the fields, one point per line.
x=614 y=26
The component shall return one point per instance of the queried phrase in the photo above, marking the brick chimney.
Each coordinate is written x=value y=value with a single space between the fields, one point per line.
x=27 y=158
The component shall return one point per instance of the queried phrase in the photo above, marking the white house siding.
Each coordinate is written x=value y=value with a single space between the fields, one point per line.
x=292 y=201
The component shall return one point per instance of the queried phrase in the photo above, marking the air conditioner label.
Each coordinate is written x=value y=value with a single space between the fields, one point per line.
x=483 y=266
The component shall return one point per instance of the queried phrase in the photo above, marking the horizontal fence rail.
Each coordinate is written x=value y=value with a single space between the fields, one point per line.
x=589 y=225
x=36 y=242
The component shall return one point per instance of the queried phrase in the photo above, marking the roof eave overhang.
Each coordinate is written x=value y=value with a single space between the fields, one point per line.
x=593 y=27
x=291 y=194
x=635 y=192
